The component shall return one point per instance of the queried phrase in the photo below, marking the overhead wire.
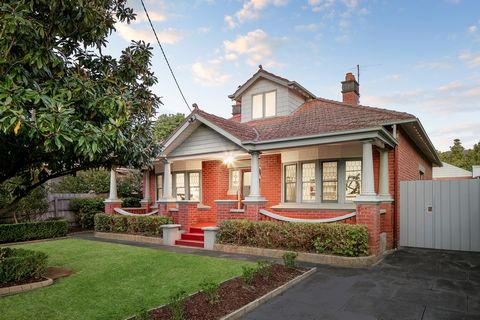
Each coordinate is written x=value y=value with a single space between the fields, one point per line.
x=165 y=56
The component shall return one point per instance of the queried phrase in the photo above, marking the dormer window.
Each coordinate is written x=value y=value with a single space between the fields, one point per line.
x=264 y=105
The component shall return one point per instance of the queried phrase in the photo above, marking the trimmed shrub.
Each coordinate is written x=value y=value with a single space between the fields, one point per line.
x=33 y=230
x=131 y=202
x=147 y=226
x=21 y=264
x=248 y=273
x=210 y=289
x=333 y=238
x=289 y=259
x=85 y=209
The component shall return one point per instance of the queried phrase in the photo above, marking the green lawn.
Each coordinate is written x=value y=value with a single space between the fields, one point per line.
x=112 y=281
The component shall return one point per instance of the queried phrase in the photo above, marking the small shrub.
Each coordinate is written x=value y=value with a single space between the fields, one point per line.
x=248 y=273
x=211 y=291
x=289 y=259
x=264 y=268
x=332 y=238
x=144 y=225
x=33 y=230
x=21 y=264
x=175 y=305
x=131 y=202
x=85 y=210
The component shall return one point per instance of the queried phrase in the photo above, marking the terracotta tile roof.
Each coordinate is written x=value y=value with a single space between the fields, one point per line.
x=314 y=117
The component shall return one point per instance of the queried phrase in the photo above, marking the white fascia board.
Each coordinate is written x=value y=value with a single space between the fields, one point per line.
x=336 y=137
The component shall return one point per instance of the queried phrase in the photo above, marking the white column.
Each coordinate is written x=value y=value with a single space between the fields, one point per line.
x=167 y=193
x=383 y=188
x=368 y=187
x=146 y=191
x=255 y=183
x=113 y=186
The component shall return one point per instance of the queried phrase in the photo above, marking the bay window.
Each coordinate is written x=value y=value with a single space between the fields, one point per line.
x=291 y=183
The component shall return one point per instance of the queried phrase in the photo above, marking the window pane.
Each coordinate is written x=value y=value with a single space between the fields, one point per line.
x=159 y=187
x=308 y=181
x=329 y=181
x=194 y=185
x=257 y=106
x=291 y=183
x=353 y=179
x=270 y=104
x=180 y=186
x=234 y=180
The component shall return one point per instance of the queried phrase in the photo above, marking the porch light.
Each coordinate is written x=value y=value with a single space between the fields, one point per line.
x=228 y=160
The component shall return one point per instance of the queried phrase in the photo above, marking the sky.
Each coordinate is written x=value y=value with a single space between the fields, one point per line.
x=420 y=57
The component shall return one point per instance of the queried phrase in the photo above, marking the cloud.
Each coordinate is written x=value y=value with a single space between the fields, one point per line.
x=208 y=74
x=256 y=47
x=321 y=5
x=311 y=27
x=472 y=29
x=166 y=36
x=155 y=16
x=251 y=10
x=203 y=30
x=394 y=77
x=472 y=59
x=465 y=131
x=434 y=65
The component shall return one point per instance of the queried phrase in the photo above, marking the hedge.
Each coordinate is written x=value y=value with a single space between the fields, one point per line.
x=131 y=202
x=333 y=238
x=21 y=264
x=85 y=209
x=146 y=225
x=33 y=230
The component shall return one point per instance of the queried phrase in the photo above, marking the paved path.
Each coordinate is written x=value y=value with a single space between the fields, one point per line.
x=408 y=284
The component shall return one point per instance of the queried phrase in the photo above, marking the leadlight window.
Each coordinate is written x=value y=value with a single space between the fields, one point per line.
x=234 y=182
x=160 y=186
x=353 y=179
x=180 y=186
x=194 y=186
x=329 y=181
x=308 y=181
x=291 y=183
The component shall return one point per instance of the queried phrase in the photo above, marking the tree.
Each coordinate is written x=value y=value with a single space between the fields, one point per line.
x=64 y=106
x=165 y=124
x=461 y=157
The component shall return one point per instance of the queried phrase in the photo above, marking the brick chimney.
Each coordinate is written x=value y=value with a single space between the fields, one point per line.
x=236 y=108
x=351 y=90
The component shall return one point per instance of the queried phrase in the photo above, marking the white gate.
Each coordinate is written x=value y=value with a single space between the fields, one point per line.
x=440 y=214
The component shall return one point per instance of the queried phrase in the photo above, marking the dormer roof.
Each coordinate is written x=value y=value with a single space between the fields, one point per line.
x=262 y=74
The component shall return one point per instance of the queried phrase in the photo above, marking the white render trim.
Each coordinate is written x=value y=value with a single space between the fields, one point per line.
x=288 y=219
x=113 y=196
x=314 y=206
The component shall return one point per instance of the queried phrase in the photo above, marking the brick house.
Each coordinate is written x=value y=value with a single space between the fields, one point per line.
x=287 y=155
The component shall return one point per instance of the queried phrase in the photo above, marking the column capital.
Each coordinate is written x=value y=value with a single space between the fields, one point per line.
x=257 y=152
x=165 y=161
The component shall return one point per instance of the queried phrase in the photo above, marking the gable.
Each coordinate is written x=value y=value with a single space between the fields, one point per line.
x=203 y=140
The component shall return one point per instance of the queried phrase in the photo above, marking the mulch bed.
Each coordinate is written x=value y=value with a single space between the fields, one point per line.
x=234 y=294
x=52 y=273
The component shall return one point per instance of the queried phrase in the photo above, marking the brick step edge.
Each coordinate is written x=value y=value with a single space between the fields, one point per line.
x=25 y=287
x=355 y=262
x=192 y=236
x=189 y=243
x=127 y=237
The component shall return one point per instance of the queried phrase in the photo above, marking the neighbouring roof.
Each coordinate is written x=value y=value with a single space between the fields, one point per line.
x=449 y=171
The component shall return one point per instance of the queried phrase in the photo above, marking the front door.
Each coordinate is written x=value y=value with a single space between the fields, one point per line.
x=246 y=178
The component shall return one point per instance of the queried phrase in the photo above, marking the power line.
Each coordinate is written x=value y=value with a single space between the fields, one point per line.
x=165 y=56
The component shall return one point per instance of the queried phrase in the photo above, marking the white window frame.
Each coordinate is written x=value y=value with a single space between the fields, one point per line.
x=263 y=106
x=186 y=183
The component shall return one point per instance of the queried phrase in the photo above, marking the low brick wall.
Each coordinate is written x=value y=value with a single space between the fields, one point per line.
x=128 y=237
x=302 y=256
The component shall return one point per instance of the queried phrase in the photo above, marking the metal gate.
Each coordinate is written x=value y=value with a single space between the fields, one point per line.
x=440 y=214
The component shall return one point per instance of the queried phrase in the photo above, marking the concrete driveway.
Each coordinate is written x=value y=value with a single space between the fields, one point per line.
x=408 y=284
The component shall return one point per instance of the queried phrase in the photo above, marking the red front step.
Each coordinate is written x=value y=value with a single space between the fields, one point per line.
x=192 y=236
x=189 y=243
x=196 y=230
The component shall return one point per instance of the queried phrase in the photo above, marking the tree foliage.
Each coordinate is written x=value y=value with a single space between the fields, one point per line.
x=64 y=106
x=461 y=157
x=165 y=125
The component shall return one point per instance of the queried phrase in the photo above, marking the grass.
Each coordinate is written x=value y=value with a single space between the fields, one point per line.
x=112 y=281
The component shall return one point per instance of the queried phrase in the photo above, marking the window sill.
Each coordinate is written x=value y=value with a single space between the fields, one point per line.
x=315 y=206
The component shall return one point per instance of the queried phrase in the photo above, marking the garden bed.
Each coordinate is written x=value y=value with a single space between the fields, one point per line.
x=235 y=297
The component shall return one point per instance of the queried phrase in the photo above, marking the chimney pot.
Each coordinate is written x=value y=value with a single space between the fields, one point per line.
x=350 y=90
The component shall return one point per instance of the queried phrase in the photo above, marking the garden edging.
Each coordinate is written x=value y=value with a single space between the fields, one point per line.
x=127 y=237
x=302 y=256
x=25 y=287
x=263 y=299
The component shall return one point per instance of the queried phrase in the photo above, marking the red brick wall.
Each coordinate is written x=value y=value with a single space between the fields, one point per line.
x=271 y=178
x=214 y=183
